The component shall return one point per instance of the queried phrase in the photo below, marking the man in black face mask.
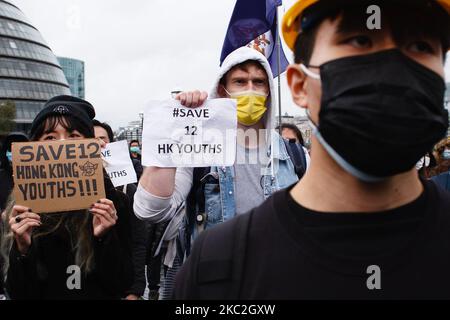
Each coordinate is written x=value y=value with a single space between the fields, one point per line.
x=360 y=224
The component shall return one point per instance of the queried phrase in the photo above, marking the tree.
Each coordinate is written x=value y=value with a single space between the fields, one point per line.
x=7 y=116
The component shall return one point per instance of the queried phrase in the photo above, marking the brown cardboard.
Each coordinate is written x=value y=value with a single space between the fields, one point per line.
x=57 y=176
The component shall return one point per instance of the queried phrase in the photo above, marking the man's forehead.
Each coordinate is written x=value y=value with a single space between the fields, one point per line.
x=247 y=73
x=250 y=68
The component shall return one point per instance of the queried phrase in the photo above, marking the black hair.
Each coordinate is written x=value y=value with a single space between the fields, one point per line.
x=296 y=130
x=6 y=146
x=105 y=126
x=68 y=122
x=306 y=40
x=132 y=141
x=419 y=17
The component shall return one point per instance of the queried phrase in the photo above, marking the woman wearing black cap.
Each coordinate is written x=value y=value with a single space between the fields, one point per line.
x=42 y=251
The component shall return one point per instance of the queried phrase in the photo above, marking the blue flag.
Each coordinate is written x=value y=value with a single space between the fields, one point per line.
x=254 y=24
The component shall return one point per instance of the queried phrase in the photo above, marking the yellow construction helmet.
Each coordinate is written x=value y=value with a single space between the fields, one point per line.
x=290 y=26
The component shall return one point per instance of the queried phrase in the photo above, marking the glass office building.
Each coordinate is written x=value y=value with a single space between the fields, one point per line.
x=29 y=71
x=74 y=71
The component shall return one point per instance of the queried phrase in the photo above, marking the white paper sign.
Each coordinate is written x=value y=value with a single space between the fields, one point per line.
x=118 y=164
x=176 y=136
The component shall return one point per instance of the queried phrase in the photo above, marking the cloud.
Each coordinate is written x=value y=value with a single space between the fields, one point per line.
x=134 y=51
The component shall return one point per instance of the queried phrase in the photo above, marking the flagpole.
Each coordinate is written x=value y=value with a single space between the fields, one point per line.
x=278 y=71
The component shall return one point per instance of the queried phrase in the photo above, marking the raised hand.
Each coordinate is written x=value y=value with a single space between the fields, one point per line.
x=22 y=223
x=192 y=99
x=105 y=217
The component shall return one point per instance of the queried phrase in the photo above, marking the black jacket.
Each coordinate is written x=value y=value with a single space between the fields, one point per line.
x=6 y=186
x=43 y=273
x=6 y=180
x=137 y=167
x=1 y=259
x=139 y=246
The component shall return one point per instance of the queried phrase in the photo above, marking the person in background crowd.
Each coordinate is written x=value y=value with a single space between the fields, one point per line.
x=6 y=180
x=442 y=169
x=39 y=249
x=139 y=229
x=360 y=224
x=158 y=248
x=135 y=149
x=135 y=154
x=2 y=286
x=293 y=134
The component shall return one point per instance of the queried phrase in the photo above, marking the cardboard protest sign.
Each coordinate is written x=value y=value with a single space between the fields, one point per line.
x=176 y=136
x=118 y=164
x=57 y=176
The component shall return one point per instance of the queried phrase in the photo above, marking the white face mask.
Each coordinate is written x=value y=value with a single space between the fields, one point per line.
x=446 y=154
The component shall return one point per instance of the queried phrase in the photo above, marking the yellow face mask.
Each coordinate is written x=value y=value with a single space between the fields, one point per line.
x=251 y=106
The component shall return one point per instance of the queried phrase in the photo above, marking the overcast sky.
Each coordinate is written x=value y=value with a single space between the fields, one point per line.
x=139 y=50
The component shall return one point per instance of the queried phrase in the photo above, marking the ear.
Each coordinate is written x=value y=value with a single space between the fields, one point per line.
x=296 y=82
x=221 y=91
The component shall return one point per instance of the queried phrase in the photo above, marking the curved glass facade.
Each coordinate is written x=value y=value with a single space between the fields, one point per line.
x=10 y=11
x=26 y=50
x=25 y=89
x=30 y=74
x=22 y=31
x=30 y=70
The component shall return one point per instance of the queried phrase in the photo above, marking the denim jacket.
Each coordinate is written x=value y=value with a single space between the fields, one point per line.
x=219 y=191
